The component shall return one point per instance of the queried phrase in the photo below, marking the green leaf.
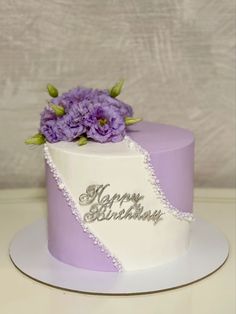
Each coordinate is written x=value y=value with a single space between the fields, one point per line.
x=59 y=110
x=131 y=120
x=52 y=90
x=82 y=141
x=116 y=89
x=37 y=139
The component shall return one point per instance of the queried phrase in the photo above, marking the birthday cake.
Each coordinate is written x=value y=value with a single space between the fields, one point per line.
x=120 y=190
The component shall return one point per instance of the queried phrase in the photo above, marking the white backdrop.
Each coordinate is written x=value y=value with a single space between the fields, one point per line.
x=177 y=58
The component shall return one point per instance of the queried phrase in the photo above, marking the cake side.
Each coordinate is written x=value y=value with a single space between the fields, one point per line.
x=148 y=234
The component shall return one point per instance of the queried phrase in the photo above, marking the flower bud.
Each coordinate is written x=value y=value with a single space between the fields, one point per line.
x=37 y=139
x=82 y=141
x=59 y=110
x=116 y=89
x=52 y=90
x=131 y=120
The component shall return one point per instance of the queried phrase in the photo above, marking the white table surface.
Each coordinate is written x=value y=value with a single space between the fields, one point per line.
x=20 y=294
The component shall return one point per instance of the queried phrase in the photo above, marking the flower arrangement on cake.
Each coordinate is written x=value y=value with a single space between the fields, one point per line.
x=83 y=114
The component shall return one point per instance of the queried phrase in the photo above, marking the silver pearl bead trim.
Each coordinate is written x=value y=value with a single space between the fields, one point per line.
x=155 y=182
x=75 y=211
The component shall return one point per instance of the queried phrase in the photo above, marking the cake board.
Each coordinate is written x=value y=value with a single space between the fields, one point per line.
x=207 y=252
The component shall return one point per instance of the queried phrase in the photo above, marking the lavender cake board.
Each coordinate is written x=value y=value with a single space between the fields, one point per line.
x=207 y=252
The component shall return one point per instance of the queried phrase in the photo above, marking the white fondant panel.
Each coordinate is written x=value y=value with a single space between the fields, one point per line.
x=137 y=244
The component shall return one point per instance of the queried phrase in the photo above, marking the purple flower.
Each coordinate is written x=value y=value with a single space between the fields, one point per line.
x=89 y=112
x=72 y=123
x=105 y=124
x=48 y=125
x=65 y=128
x=52 y=131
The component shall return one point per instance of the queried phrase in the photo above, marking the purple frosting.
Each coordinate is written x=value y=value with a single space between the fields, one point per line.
x=66 y=239
x=171 y=150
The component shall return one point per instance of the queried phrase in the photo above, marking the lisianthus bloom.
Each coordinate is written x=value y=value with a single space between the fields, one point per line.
x=90 y=112
x=105 y=123
x=62 y=128
x=84 y=113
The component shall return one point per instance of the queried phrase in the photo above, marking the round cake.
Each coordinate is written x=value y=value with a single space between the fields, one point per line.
x=121 y=206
